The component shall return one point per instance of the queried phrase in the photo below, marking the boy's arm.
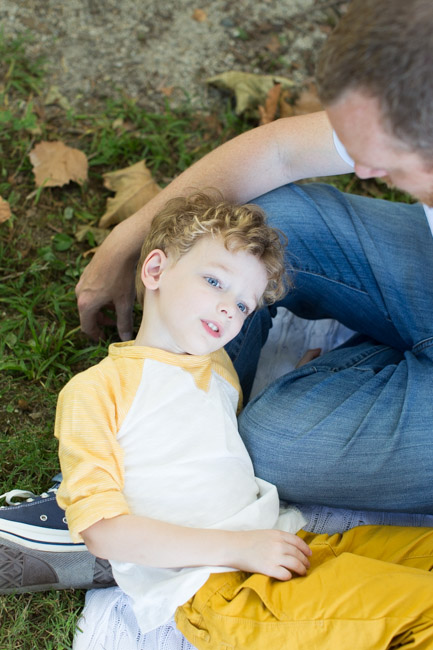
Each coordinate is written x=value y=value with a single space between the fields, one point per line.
x=141 y=540
x=249 y=165
x=91 y=460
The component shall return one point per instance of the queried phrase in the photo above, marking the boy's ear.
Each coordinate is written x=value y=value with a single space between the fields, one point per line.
x=152 y=268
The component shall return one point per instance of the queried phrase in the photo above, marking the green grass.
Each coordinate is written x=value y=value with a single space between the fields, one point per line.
x=40 y=262
x=41 y=346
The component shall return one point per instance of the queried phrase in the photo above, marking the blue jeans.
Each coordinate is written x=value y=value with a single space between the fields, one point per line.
x=354 y=427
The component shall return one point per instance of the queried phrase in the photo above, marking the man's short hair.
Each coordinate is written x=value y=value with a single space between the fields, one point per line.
x=384 y=48
x=184 y=220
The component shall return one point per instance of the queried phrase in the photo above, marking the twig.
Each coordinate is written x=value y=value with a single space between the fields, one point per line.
x=324 y=5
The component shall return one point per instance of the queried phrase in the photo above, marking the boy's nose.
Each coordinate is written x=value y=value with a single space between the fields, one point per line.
x=226 y=309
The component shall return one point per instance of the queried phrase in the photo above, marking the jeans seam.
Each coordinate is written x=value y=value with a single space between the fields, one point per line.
x=422 y=345
x=361 y=358
x=324 y=277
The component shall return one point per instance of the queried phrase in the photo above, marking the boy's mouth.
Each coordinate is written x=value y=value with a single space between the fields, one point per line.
x=212 y=328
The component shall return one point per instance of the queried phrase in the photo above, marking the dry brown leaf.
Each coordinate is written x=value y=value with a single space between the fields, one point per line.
x=199 y=15
x=285 y=106
x=273 y=45
x=99 y=234
x=166 y=90
x=54 y=96
x=5 y=210
x=91 y=251
x=134 y=186
x=308 y=102
x=55 y=164
x=250 y=89
x=269 y=110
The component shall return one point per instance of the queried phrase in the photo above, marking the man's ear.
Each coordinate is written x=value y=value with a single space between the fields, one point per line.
x=152 y=268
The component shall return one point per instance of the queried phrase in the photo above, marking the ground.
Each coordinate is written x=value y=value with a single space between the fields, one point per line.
x=150 y=49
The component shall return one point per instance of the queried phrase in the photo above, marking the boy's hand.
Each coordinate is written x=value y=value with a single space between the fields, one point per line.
x=274 y=553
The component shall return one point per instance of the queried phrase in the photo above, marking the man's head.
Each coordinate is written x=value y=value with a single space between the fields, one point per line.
x=378 y=62
x=205 y=266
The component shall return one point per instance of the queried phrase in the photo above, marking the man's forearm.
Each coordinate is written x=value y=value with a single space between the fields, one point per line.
x=243 y=168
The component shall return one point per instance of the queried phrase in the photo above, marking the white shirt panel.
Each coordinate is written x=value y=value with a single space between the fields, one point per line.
x=185 y=463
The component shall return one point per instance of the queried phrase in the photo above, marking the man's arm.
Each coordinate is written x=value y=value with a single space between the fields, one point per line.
x=141 y=540
x=251 y=164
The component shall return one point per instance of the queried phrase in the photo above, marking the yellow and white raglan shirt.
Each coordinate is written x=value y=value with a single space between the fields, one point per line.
x=152 y=433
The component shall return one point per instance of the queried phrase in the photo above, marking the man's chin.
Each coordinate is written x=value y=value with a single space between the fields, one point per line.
x=426 y=199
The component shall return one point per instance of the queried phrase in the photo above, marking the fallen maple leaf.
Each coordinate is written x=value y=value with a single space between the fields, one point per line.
x=5 y=210
x=54 y=96
x=269 y=110
x=273 y=45
x=134 y=186
x=199 y=15
x=307 y=102
x=98 y=234
x=250 y=89
x=55 y=164
x=166 y=90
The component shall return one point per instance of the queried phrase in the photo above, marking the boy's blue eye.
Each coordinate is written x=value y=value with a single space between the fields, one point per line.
x=242 y=307
x=213 y=282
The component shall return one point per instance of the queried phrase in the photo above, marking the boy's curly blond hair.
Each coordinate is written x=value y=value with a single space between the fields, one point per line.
x=184 y=220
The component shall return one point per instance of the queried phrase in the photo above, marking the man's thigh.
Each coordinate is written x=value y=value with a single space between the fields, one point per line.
x=350 y=429
x=366 y=262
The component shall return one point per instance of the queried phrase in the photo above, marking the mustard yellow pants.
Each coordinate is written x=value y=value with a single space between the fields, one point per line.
x=368 y=588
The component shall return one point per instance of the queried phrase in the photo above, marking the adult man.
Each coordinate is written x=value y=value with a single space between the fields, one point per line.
x=351 y=429
x=358 y=420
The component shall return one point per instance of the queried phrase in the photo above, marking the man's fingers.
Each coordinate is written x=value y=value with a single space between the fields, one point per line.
x=125 y=323
x=90 y=326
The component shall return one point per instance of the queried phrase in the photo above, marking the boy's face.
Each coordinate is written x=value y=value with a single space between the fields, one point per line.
x=202 y=300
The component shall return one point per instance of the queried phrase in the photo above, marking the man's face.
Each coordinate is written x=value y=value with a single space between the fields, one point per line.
x=356 y=120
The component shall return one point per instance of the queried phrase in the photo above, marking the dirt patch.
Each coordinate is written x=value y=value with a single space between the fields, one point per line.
x=158 y=48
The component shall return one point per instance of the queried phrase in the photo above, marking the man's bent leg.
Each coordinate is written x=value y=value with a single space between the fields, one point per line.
x=366 y=262
x=353 y=428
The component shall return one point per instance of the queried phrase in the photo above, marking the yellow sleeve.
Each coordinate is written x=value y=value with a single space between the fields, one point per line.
x=87 y=421
x=223 y=365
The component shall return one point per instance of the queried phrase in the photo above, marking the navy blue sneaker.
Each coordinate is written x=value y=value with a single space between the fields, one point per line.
x=36 y=549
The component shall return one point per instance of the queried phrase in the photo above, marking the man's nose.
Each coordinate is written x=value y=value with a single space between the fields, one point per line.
x=369 y=172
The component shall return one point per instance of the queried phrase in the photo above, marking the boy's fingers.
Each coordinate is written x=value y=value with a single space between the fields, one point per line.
x=295 y=565
x=298 y=542
x=297 y=555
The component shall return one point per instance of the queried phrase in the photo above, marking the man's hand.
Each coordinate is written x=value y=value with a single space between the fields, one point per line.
x=107 y=280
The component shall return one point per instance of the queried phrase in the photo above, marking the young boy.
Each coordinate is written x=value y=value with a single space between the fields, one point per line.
x=157 y=479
